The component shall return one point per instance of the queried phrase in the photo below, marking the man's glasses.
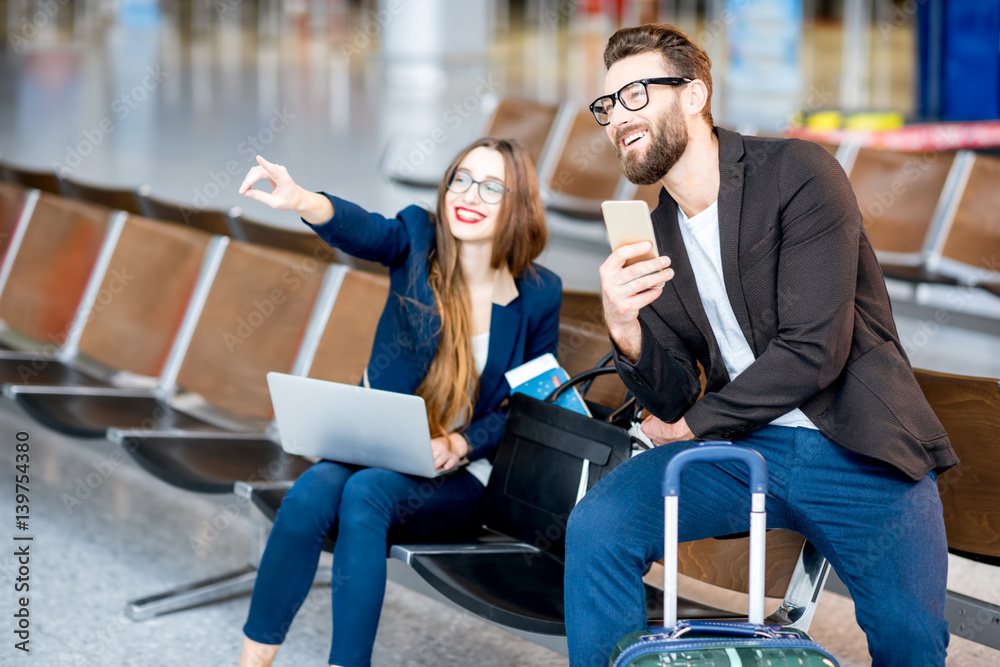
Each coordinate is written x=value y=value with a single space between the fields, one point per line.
x=490 y=191
x=633 y=96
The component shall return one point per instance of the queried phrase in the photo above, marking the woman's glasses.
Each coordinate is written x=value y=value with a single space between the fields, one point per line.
x=490 y=191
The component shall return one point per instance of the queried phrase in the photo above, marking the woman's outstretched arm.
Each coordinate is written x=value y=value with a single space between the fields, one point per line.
x=285 y=195
x=354 y=230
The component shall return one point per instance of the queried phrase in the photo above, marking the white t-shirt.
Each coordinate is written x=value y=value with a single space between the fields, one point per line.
x=701 y=239
x=480 y=468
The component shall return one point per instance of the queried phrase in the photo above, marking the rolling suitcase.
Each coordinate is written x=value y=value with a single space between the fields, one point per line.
x=718 y=643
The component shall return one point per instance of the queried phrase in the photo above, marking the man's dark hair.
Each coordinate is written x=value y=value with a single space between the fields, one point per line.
x=682 y=56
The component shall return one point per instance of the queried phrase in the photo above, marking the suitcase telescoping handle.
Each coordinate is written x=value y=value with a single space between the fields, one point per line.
x=715 y=452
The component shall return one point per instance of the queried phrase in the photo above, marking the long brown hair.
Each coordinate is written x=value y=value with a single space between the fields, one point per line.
x=682 y=56
x=451 y=382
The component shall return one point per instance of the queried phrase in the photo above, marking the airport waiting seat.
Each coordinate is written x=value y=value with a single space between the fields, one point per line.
x=252 y=320
x=518 y=583
x=528 y=122
x=214 y=463
x=46 y=272
x=582 y=308
x=210 y=220
x=135 y=303
x=37 y=179
x=582 y=346
x=303 y=241
x=968 y=250
x=904 y=201
x=580 y=169
x=344 y=350
x=12 y=200
x=969 y=410
x=119 y=199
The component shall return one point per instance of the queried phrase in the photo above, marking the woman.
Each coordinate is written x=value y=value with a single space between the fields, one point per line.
x=466 y=304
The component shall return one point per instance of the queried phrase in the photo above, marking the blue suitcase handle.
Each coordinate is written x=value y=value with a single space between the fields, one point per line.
x=716 y=629
x=715 y=451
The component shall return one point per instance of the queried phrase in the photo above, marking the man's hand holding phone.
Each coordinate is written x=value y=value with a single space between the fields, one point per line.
x=625 y=290
x=634 y=275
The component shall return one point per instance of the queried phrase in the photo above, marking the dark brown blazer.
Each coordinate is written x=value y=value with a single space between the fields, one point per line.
x=809 y=296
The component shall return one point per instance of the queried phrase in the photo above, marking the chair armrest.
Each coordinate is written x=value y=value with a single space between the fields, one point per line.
x=247 y=489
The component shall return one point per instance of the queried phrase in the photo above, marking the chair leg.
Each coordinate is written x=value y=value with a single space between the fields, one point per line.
x=802 y=597
x=204 y=592
x=218 y=588
x=191 y=595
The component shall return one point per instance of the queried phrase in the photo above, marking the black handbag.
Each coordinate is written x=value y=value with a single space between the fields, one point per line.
x=549 y=456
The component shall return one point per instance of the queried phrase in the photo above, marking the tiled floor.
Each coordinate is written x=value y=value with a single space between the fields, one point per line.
x=106 y=532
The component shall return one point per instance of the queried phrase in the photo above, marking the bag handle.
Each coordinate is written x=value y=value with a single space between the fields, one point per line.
x=630 y=404
x=586 y=379
x=587 y=376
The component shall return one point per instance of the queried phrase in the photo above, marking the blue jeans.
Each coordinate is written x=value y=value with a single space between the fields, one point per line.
x=362 y=504
x=882 y=532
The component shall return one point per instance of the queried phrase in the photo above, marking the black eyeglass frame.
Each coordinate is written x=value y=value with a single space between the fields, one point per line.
x=616 y=97
x=478 y=184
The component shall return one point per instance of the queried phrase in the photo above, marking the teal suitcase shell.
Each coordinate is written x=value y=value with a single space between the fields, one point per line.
x=772 y=646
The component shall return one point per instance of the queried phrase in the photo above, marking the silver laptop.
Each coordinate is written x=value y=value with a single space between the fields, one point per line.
x=351 y=424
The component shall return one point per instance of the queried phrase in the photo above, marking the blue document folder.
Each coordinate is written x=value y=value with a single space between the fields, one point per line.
x=540 y=377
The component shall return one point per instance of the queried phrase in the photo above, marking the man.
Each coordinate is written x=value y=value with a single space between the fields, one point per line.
x=773 y=288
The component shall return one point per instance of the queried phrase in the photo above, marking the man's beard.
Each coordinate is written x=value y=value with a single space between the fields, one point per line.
x=668 y=141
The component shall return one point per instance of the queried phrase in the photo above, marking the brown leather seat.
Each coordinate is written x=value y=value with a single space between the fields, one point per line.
x=141 y=302
x=969 y=410
x=11 y=204
x=303 y=241
x=346 y=343
x=38 y=179
x=900 y=196
x=210 y=220
x=121 y=199
x=583 y=171
x=252 y=322
x=50 y=270
x=970 y=252
x=208 y=463
x=528 y=122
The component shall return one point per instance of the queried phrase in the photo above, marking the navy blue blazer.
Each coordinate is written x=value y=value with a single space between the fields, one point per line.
x=407 y=335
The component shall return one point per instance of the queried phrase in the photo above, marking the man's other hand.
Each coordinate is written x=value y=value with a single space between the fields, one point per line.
x=660 y=432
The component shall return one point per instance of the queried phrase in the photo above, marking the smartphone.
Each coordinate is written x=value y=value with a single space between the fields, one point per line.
x=628 y=222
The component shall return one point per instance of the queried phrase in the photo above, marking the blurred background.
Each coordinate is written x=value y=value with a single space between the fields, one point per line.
x=179 y=95
x=185 y=83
